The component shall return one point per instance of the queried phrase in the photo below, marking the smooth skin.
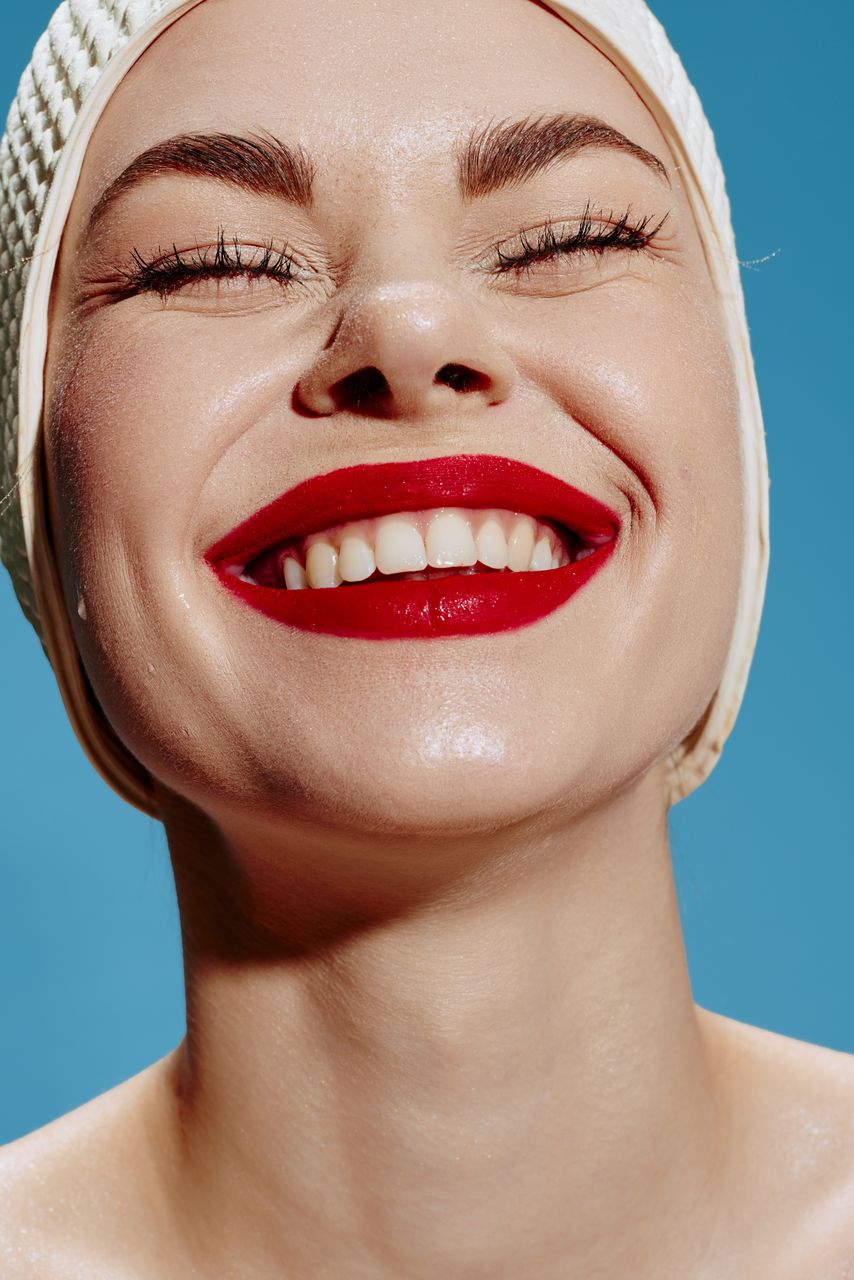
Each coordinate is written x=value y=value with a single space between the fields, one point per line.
x=440 y=1021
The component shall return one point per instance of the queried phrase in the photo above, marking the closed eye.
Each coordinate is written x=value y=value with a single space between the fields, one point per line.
x=168 y=273
x=595 y=233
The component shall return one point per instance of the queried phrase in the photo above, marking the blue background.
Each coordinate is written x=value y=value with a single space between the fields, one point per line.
x=90 y=972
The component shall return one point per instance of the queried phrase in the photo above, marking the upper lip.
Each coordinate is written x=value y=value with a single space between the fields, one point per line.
x=375 y=489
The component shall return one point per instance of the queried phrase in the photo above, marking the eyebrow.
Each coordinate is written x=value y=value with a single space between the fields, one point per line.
x=512 y=151
x=259 y=164
x=496 y=155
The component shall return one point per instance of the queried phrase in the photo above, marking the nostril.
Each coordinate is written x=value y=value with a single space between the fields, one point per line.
x=461 y=378
x=365 y=385
x=369 y=390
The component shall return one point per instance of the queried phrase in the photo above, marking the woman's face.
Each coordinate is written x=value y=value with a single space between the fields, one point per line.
x=172 y=417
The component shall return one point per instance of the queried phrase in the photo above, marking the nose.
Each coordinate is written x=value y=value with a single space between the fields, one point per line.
x=407 y=350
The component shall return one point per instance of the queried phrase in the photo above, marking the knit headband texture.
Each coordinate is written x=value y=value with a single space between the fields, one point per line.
x=87 y=49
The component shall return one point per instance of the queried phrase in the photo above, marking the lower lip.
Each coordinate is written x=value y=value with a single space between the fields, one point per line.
x=457 y=605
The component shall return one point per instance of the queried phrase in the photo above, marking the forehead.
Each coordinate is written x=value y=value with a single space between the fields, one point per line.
x=365 y=86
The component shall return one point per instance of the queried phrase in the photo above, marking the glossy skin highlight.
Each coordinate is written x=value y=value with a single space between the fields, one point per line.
x=429 y=920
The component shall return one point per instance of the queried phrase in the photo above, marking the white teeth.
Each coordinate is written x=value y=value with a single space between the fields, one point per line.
x=399 y=547
x=355 y=559
x=295 y=577
x=410 y=542
x=541 y=557
x=321 y=565
x=520 y=544
x=450 y=541
x=492 y=544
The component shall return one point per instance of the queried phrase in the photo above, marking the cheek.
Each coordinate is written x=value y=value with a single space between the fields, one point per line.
x=138 y=416
x=647 y=377
x=143 y=415
x=647 y=374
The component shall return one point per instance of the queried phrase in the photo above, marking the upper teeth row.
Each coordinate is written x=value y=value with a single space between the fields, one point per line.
x=410 y=541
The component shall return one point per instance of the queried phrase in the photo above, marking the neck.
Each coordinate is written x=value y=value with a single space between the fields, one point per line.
x=495 y=1072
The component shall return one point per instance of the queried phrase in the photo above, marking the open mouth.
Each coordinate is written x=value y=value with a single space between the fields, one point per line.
x=500 y=545
x=417 y=546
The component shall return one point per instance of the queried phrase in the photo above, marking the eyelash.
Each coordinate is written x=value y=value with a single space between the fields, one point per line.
x=165 y=275
x=622 y=234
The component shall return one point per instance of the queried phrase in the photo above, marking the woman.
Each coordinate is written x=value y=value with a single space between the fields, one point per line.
x=401 y=542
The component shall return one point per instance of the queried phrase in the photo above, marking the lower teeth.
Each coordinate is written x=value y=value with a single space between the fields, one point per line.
x=424 y=575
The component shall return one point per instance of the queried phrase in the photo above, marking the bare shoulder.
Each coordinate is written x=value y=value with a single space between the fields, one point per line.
x=792 y=1109
x=64 y=1188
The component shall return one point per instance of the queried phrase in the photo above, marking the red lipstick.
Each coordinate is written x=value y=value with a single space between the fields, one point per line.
x=456 y=604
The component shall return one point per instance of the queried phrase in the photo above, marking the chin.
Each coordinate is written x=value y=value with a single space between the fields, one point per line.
x=438 y=783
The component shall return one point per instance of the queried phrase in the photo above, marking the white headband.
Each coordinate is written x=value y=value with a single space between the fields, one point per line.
x=87 y=49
